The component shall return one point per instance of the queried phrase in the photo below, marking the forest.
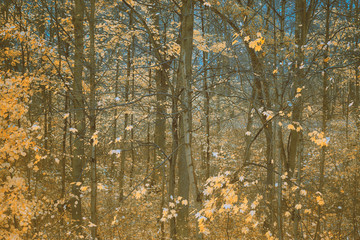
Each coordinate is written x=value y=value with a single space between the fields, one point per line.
x=180 y=119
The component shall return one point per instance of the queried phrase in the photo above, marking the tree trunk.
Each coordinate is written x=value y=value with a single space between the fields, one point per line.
x=297 y=233
x=173 y=158
x=206 y=101
x=302 y=21
x=132 y=149
x=184 y=80
x=126 y=117
x=92 y=112
x=115 y=120
x=79 y=115
x=325 y=108
x=355 y=197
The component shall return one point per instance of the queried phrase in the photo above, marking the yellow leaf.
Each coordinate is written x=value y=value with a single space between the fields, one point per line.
x=291 y=127
x=100 y=186
x=114 y=221
x=320 y=200
x=257 y=48
x=94 y=138
x=84 y=188
x=92 y=224
x=137 y=195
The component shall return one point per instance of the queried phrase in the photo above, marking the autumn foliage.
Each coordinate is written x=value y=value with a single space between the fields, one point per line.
x=181 y=119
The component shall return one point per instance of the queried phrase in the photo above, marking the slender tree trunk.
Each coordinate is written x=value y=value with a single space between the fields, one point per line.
x=162 y=202
x=92 y=111
x=324 y=114
x=300 y=8
x=206 y=100
x=115 y=120
x=148 y=152
x=184 y=79
x=248 y=137
x=79 y=115
x=160 y=117
x=132 y=149
x=297 y=233
x=63 y=161
x=173 y=158
x=281 y=152
x=161 y=91
x=303 y=16
x=355 y=197
x=124 y=144
x=262 y=96
x=280 y=172
x=182 y=226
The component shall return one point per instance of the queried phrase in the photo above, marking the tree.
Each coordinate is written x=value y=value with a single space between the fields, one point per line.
x=184 y=78
x=92 y=117
x=79 y=114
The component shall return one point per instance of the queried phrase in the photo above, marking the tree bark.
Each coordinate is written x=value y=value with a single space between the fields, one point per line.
x=126 y=117
x=184 y=80
x=325 y=108
x=93 y=208
x=303 y=16
x=173 y=158
x=79 y=115
x=206 y=100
